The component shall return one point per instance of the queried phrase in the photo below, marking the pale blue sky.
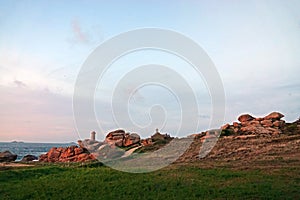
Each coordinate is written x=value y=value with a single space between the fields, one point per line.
x=255 y=46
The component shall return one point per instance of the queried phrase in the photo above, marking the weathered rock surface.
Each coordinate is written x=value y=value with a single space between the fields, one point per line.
x=115 y=138
x=245 y=118
x=67 y=154
x=131 y=139
x=29 y=158
x=274 y=116
x=121 y=139
x=7 y=156
x=279 y=123
x=268 y=125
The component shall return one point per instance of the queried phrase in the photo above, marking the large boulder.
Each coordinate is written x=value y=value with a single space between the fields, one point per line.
x=115 y=137
x=131 y=139
x=274 y=116
x=7 y=156
x=121 y=139
x=245 y=118
x=29 y=158
x=117 y=134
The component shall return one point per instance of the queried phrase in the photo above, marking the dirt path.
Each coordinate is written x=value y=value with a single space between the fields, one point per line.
x=15 y=165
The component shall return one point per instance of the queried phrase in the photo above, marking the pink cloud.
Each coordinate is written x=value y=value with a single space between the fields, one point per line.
x=36 y=116
x=78 y=33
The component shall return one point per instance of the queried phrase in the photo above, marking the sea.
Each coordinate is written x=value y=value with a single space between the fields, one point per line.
x=24 y=148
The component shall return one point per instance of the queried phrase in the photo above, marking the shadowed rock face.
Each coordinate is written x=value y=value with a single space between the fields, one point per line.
x=7 y=156
x=28 y=158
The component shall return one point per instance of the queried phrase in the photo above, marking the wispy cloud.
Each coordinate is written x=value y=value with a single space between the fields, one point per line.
x=19 y=83
x=21 y=69
x=79 y=35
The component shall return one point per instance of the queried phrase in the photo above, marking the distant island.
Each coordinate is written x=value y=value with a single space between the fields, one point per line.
x=17 y=142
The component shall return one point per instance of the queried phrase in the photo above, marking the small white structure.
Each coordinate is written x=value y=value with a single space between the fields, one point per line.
x=93 y=135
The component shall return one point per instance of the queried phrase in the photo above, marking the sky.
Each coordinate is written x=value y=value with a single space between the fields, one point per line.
x=254 y=45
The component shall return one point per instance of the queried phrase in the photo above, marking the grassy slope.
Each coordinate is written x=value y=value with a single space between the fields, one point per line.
x=175 y=182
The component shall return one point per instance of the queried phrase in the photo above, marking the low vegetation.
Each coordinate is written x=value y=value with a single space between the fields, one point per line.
x=174 y=182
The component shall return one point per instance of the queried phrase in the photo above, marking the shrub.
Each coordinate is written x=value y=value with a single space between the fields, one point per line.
x=227 y=132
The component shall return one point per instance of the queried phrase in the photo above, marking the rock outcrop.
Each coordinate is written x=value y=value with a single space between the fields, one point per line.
x=91 y=149
x=274 y=116
x=7 y=156
x=119 y=144
x=268 y=125
x=115 y=138
x=250 y=141
x=67 y=154
x=131 y=139
x=115 y=145
x=121 y=139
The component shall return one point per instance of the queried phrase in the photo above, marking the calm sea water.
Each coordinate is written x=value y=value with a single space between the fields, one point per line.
x=36 y=149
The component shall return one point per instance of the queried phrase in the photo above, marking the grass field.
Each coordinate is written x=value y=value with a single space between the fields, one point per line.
x=174 y=182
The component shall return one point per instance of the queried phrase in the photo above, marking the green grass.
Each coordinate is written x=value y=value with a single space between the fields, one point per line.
x=175 y=182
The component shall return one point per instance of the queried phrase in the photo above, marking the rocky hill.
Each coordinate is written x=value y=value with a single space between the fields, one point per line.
x=252 y=138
